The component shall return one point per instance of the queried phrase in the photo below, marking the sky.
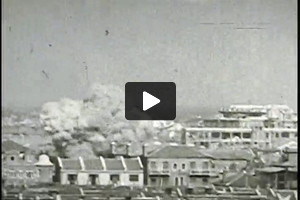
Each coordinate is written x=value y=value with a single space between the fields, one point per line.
x=218 y=52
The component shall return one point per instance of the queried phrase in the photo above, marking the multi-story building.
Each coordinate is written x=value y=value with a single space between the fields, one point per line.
x=178 y=165
x=247 y=125
x=19 y=165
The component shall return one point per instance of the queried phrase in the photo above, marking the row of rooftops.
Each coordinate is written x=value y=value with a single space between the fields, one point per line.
x=103 y=164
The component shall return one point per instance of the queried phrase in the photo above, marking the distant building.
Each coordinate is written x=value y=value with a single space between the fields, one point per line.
x=247 y=126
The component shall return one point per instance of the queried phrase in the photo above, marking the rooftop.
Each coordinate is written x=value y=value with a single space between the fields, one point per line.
x=71 y=164
x=10 y=145
x=178 y=151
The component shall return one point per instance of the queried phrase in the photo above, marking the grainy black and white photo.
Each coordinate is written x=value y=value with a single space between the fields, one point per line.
x=232 y=65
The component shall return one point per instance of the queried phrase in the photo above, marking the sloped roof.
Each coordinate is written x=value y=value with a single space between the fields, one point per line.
x=10 y=145
x=270 y=169
x=132 y=164
x=113 y=164
x=71 y=164
x=229 y=154
x=178 y=151
x=93 y=164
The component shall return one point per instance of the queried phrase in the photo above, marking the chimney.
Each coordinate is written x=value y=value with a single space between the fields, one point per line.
x=145 y=149
x=183 y=136
x=128 y=146
x=113 y=148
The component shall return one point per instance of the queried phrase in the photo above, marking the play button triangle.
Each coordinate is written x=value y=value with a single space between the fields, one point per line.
x=149 y=101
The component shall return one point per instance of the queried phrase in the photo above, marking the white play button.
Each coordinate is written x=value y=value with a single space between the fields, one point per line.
x=149 y=101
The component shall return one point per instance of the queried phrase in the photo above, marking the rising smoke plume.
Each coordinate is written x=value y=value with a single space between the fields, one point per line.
x=87 y=127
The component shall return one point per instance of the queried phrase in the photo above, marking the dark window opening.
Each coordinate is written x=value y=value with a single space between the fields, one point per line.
x=246 y=135
x=93 y=179
x=114 y=178
x=225 y=135
x=134 y=178
x=175 y=166
x=12 y=158
x=72 y=178
x=285 y=134
x=215 y=134
x=183 y=166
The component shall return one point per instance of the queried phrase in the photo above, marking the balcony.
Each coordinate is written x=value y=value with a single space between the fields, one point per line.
x=157 y=172
x=204 y=173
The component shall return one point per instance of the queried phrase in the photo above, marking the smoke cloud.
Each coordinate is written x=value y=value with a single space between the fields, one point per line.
x=86 y=127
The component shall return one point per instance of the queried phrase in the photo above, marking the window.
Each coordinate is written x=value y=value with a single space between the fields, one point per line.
x=29 y=174
x=183 y=166
x=204 y=180
x=72 y=178
x=153 y=165
x=285 y=134
x=153 y=181
x=165 y=165
x=114 y=178
x=246 y=135
x=215 y=134
x=193 y=165
x=174 y=166
x=277 y=135
x=93 y=179
x=12 y=158
x=181 y=181
x=225 y=135
x=267 y=135
x=236 y=135
x=134 y=178
x=205 y=165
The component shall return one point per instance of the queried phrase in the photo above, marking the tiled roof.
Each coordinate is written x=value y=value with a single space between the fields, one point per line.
x=113 y=164
x=132 y=164
x=93 y=164
x=71 y=164
x=9 y=145
x=229 y=154
x=270 y=169
x=178 y=151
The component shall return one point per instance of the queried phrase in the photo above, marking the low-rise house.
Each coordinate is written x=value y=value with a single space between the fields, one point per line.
x=101 y=171
x=282 y=175
x=18 y=164
x=178 y=165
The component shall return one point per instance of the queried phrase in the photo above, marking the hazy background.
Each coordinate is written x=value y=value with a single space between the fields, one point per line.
x=218 y=52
